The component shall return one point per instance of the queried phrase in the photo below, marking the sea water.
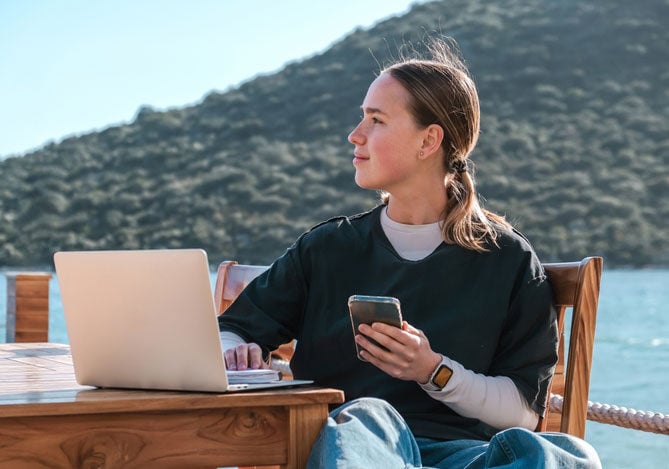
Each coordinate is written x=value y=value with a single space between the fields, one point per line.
x=630 y=365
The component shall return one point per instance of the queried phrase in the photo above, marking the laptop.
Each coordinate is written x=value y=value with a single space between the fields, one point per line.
x=144 y=319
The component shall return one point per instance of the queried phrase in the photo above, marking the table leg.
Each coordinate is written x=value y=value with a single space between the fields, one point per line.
x=305 y=423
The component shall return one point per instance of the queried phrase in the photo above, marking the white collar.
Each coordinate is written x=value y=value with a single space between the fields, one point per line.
x=412 y=242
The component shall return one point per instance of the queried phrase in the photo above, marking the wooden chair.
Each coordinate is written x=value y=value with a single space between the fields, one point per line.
x=231 y=279
x=575 y=285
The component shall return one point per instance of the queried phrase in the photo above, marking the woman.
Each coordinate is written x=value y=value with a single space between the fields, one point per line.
x=464 y=381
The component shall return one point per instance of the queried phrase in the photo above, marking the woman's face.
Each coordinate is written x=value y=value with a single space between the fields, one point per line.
x=387 y=140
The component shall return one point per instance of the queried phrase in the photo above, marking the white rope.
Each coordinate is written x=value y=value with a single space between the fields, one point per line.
x=654 y=422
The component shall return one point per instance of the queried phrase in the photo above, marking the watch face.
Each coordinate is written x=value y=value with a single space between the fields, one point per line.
x=442 y=376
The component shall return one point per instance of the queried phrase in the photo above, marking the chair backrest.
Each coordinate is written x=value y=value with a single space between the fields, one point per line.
x=575 y=285
x=231 y=279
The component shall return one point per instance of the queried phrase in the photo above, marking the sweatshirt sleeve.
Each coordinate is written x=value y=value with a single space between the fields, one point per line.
x=527 y=348
x=269 y=310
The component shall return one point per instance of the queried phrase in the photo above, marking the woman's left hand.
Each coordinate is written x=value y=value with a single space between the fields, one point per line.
x=409 y=356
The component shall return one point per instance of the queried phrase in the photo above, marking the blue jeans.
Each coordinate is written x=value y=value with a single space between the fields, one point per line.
x=369 y=433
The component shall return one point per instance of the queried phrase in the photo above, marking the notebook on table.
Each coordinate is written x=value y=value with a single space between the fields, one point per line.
x=145 y=319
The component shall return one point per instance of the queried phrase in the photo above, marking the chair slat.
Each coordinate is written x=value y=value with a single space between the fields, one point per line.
x=576 y=285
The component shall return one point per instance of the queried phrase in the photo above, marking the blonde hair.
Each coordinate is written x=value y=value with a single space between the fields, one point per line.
x=443 y=93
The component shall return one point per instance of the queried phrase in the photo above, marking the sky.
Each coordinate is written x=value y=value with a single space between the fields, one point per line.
x=68 y=67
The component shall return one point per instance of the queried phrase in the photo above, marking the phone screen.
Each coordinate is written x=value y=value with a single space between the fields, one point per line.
x=368 y=309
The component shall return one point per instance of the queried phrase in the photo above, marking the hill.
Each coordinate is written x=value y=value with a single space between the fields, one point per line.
x=574 y=144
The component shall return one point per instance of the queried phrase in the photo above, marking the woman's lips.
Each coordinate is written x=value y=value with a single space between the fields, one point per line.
x=359 y=158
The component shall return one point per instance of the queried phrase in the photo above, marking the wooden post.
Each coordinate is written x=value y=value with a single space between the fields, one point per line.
x=27 y=307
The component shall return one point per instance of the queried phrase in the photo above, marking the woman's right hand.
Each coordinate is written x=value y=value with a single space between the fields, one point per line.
x=244 y=356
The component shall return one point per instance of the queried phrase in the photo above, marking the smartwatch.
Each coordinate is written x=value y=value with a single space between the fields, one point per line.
x=441 y=376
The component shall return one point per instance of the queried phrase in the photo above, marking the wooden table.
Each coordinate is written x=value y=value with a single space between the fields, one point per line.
x=48 y=420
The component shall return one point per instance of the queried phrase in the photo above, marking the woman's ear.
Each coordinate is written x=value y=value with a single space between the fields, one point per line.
x=434 y=135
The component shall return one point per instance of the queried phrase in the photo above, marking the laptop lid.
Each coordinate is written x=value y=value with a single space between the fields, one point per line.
x=143 y=319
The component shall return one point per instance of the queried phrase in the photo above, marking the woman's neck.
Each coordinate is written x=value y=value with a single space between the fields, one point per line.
x=417 y=211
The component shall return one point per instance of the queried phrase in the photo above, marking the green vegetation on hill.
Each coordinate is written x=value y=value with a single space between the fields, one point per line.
x=574 y=145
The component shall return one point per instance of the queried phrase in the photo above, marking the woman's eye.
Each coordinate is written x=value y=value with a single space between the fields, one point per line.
x=376 y=120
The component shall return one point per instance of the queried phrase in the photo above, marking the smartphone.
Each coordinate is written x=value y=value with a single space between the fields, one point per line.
x=368 y=309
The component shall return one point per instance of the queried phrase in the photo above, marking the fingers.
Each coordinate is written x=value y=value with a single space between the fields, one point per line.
x=384 y=335
x=412 y=330
x=408 y=355
x=385 y=360
x=380 y=331
x=367 y=347
x=244 y=356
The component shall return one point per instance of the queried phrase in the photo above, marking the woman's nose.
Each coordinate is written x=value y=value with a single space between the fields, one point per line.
x=355 y=137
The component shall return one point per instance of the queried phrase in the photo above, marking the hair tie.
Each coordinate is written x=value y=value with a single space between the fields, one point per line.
x=459 y=166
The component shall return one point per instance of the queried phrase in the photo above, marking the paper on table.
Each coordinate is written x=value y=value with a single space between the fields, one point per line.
x=253 y=376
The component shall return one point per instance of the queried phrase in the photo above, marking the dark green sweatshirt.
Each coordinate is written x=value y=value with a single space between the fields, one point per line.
x=489 y=311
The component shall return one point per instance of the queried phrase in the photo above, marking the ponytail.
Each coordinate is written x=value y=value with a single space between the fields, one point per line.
x=465 y=222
